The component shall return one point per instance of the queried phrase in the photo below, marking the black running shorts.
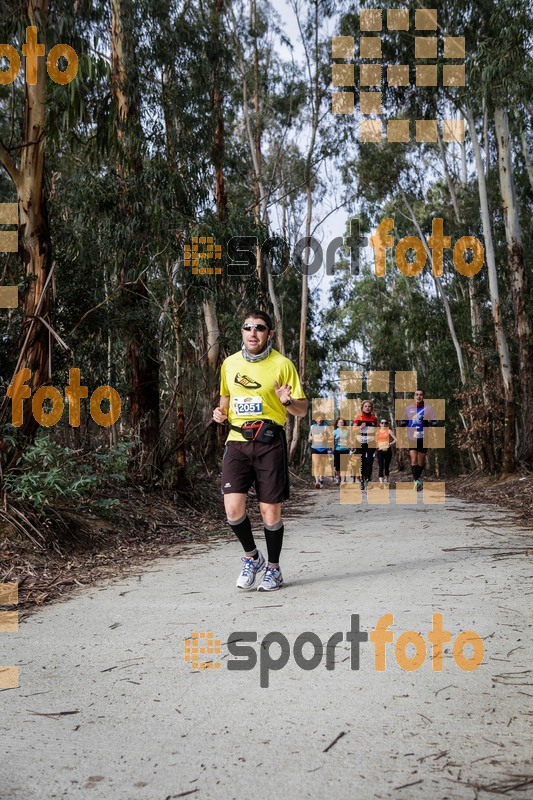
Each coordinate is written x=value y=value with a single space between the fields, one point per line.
x=244 y=463
x=420 y=447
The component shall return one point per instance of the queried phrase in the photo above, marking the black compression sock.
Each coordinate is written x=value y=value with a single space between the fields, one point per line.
x=274 y=541
x=417 y=471
x=242 y=528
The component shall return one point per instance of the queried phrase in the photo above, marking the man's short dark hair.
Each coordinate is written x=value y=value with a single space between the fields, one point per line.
x=258 y=314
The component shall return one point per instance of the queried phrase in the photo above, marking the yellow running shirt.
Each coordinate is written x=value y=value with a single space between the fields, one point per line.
x=250 y=388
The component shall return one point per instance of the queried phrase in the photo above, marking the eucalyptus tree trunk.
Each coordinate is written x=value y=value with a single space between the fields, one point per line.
x=527 y=157
x=519 y=282
x=509 y=436
x=175 y=315
x=28 y=178
x=217 y=98
x=261 y=196
x=485 y=458
x=313 y=76
x=176 y=290
x=140 y=328
x=444 y=298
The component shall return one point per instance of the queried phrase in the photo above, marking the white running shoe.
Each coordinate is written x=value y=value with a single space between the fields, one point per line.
x=272 y=580
x=246 y=579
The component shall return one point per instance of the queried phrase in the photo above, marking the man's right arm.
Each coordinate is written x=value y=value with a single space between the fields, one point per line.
x=220 y=414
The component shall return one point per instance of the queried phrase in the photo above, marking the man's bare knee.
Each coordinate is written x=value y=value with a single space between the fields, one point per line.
x=271 y=513
x=235 y=506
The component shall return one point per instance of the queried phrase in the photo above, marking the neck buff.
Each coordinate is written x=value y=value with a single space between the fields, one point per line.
x=260 y=356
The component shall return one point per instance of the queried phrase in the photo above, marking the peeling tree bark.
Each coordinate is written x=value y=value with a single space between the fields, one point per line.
x=261 y=197
x=519 y=282
x=141 y=345
x=527 y=157
x=509 y=438
x=315 y=99
x=34 y=233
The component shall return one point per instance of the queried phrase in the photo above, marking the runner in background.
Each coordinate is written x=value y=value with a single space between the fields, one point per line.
x=341 y=435
x=417 y=416
x=319 y=437
x=365 y=440
x=384 y=441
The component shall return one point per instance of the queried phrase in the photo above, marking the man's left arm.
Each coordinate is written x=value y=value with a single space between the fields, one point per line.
x=431 y=416
x=296 y=407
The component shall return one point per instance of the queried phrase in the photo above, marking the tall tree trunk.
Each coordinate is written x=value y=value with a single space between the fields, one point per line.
x=315 y=101
x=261 y=197
x=519 y=282
x=141 y=340
x=213 y=333
x=217 y=98
x=175 y=291
x=527 y=157
x=475 y=322
x=444 y=298
x=181 y=461
x=509 y=437
x=34 y=234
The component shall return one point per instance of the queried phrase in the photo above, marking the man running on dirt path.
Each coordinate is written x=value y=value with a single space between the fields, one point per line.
x=258 y=386
x=417 y=416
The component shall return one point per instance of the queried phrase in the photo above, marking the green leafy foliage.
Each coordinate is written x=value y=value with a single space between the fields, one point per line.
x=49 y=473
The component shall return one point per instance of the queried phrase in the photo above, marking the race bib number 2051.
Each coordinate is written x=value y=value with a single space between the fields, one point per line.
x=246 y=406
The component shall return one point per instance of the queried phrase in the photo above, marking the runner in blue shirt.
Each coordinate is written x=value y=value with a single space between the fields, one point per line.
x=341 y=435
x=417 y=416
x=319 y=439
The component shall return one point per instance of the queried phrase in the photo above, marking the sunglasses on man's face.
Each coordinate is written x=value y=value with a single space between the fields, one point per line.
x=383 y=422
x=260 y=328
